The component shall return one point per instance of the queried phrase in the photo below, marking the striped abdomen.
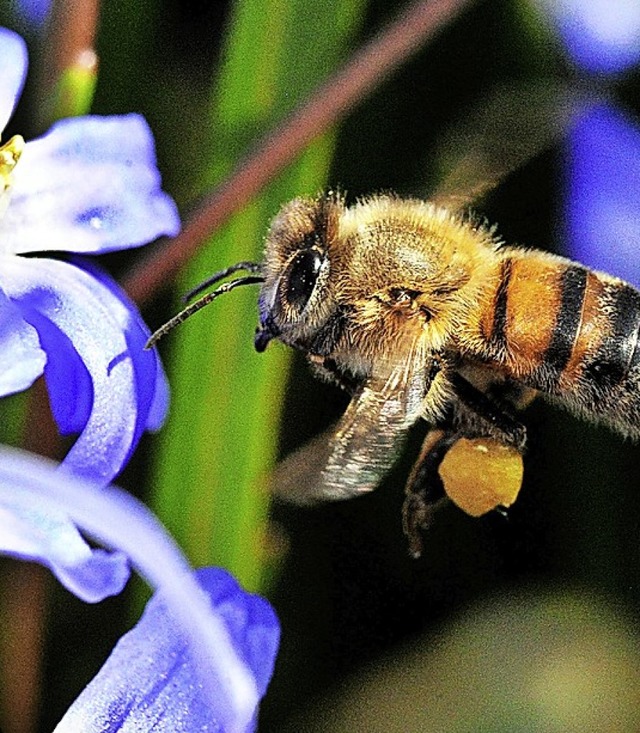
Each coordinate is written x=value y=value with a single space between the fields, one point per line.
x=571 y=333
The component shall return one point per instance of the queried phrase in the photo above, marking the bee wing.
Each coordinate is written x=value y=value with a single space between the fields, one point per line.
x=365 y=444
x=352 y=458
x=510 y=127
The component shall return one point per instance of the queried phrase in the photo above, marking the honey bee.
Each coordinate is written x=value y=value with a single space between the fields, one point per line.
x=420 y=312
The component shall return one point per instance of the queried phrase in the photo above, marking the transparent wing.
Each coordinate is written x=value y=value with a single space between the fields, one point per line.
x=366 y=442
x=353 y=457
x=508 y=128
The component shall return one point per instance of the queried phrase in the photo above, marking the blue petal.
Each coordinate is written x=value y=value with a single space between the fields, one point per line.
x=148 y=681
x=217 y=675
x=603 y=193
x=21 y=358
x=73 y=312
x=159 y=406
x=151 y=381
x=68 y=380
x=89 y=185
x=13 y=69
x=250 y=619
x=601 y=36
x=41 y=532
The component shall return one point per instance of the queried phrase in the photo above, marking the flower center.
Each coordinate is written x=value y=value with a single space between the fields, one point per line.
x=10 y=153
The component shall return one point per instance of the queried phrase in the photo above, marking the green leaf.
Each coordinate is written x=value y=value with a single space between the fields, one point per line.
x=221 y=438
x=73 y=92
x=13 y=413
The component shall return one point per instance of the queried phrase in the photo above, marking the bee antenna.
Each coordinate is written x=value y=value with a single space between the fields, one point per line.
x=200 y=303
x=253 y=267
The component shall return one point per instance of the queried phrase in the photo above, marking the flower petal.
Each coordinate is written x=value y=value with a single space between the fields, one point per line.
x=250 y=620
x=148 y=681
x=44 y=534
x=151 y=381
x=603 y=193
x=13 y=70
x=160 y=404
x=21 y=358
x=69 y=382
x=73 y=312
x=89 y=185
x=601 y=36
x=228 y=687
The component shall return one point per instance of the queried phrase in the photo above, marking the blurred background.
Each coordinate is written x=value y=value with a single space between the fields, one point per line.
x=524 y=622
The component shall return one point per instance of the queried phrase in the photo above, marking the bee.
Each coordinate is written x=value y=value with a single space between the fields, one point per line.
x=419 y=312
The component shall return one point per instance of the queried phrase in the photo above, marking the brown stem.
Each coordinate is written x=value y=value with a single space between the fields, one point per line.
x=24 y=603
x=366 y=69
x=69 y=42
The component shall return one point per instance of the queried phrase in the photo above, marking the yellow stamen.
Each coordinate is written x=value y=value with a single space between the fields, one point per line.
x=10 y=153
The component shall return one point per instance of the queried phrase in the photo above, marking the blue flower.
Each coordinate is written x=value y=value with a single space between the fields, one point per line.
x=599 y=36
x=602 y=207
x=90 y=185
x=196 y=661
x=602 y=152
x=156 y=657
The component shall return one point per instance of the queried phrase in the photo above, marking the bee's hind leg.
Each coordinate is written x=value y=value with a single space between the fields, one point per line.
x=424 y=489
x=474 y=415
x=498 y=422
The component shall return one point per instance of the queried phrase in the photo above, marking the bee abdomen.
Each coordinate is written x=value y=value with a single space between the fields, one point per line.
x=571 y=333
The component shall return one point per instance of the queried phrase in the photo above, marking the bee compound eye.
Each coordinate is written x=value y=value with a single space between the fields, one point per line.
x=302 y=278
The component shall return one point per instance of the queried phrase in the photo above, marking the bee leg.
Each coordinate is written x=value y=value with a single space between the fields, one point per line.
x=503 y=426
x=425 y=490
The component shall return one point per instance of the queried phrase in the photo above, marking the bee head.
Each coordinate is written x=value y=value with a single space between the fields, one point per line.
x=294 y=302
x=295 y=299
